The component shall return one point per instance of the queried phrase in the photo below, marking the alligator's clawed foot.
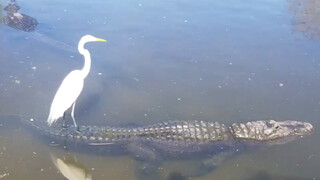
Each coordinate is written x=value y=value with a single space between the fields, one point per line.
x=176 y=176
x=148 y=170
x=82 y=129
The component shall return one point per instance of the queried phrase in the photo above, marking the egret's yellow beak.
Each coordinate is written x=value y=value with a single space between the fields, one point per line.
x=103 y=40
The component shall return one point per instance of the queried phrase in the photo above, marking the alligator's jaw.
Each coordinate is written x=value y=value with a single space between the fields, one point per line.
x=270 y=130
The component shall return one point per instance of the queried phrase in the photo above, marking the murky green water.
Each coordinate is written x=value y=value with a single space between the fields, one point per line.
x=226 y=61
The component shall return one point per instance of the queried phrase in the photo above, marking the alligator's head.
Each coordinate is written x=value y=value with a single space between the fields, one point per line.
x=276 y=132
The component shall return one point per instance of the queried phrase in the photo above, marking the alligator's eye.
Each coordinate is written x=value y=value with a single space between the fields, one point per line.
x=269 y=125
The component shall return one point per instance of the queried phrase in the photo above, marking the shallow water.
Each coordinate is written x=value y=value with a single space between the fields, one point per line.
x=226 y=61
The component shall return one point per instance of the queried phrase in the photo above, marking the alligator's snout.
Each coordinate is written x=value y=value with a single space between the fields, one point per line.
x=303 y=129
x=270 y=129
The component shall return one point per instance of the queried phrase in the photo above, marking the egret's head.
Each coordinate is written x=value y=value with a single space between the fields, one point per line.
x=90 y=38
x=85 y=39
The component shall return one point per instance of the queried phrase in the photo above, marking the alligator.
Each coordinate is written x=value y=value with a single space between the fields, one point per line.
x=213 y=141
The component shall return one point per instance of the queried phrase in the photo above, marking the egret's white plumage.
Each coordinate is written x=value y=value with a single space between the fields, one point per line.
x=72 y=85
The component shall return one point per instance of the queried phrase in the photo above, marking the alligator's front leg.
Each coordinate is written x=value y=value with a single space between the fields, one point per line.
x=148 y=160
x=209 y=164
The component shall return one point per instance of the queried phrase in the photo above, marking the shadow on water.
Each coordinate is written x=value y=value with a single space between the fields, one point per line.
x=268 y=176
x=176 y=176
x=88 y=105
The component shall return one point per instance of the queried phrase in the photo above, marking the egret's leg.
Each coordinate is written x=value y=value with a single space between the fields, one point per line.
x=72 y=115
x=64 y=120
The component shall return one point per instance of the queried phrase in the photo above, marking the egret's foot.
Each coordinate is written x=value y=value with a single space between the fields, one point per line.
x=78 y=129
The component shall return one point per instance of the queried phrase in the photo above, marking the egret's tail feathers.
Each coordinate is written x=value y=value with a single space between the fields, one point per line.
x=52 y=119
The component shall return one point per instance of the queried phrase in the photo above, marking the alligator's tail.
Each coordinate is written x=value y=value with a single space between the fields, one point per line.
x=11 y=122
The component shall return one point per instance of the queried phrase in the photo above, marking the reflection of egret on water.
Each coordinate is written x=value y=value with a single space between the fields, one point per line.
x=70 y=168
x=72 y=85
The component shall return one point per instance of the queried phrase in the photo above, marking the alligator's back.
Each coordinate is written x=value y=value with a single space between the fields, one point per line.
x=181 y=136
x=207 y=142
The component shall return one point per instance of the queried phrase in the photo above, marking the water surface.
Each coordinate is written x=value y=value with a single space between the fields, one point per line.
x=225 y=61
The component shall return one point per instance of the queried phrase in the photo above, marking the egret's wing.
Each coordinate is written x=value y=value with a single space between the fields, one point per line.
x=66 y=95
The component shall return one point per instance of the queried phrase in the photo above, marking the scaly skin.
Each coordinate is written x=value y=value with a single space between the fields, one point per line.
x=210 y=142
x=183 y=132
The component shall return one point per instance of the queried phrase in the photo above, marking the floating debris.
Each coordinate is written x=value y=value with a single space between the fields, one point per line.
x=17 y=81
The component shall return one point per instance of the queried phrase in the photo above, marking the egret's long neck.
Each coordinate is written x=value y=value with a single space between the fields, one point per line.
x=87 y=59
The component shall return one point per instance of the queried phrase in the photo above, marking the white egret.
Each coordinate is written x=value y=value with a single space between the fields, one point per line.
x=72 y=85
